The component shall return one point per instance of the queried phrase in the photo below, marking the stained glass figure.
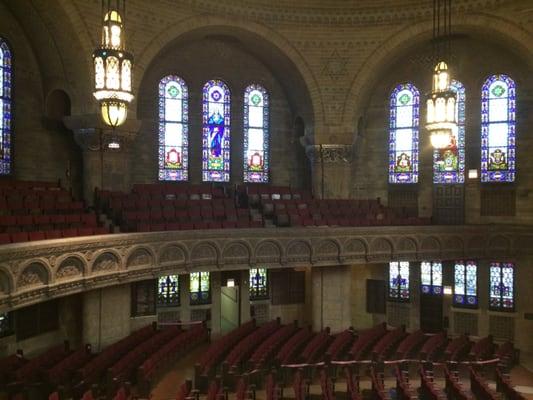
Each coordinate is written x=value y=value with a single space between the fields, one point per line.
x=399 y=281
x=168 y=291
x=258 y=284
x=216 y=132
x=173 y=129
x=449 y=162
x=501 y=286
x=431 y=277
x=465 y=284
x=256 y=134
x=199 y=288
x=5 y=108
x=498 y=120
x=403 y=134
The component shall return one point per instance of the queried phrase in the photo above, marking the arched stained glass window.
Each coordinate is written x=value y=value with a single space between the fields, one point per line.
x=168 y=291
x=449 y=163
x=216 y=132
x=501 y=286
x=173 y=129
x=200 y=288
x=498 y=119
x=403 y=134
x=431 y=277
x=399 y=281
x=5 y=108
x=465 y=284
x=256 y=134
x=258 y=283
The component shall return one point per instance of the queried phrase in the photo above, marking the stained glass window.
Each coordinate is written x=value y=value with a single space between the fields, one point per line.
x=403 y=134
x=168 y=291
x=399 y=280
x=465 y=284
x=216 y=132
x=199 y=287
x=502 y=286
x=173 y=129
x=258 y=284
x=449 y=163
x=498 y=118
x=256 y=134
x=5 y=108
x=431 y=277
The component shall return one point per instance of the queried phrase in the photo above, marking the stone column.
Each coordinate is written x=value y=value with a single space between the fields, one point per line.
x=331 y=166
x=245 y=296
x=104 y=166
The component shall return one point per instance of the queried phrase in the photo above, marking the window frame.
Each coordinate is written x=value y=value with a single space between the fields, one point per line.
x=202 y=298
x=466 y=303
x=398 y=297
x=500 y=307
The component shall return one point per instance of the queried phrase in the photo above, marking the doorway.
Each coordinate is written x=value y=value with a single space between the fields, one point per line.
x=229 y=308
x=431 y=314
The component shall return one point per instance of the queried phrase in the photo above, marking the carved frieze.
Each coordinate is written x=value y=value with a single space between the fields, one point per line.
x=330 y=153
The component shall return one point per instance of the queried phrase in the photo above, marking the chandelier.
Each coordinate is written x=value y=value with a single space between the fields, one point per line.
x=113 y=66
x=441 y=117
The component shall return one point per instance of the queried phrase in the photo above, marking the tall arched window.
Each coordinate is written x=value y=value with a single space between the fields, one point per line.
x=449 y=163
x=256 y=134
x=173 y=129
x=399 y=281
x=5 y=108
x=498 y=119
x=431 y=277
x=403 y=134
x=216 y=132
x=465 y=284
x=501 y=286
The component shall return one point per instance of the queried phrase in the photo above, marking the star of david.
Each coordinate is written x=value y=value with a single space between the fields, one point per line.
x=335 y=65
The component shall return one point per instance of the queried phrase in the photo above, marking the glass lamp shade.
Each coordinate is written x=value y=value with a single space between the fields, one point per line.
x=114 y=113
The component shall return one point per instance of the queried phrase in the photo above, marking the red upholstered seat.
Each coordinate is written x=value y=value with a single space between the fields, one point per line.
x=18 y=237
x=5 y=238
x=53 y=234
x=36 y=236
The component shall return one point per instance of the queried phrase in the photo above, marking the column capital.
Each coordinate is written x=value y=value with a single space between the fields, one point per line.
x=330 y=153
x=92 y=134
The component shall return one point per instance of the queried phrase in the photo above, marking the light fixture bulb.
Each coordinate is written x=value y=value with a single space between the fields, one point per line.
x=114 y=113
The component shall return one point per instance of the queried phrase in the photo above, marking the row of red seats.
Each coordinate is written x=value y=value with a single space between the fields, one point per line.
x=27 y=206
x=403 y=388
x=323 y=220
x=185 y=226
x=93 y=371
x=316 y=347
x=366 y=340
x=340 y=344
x=32 y=370
x=8 y=184
x=217 y=350
x=292 y=346
x=454 y=388
x=64 y=370
x=266 y=350
x=245 y=347
x=25 y=222
x=428 y=387
x=504 y=385
x=169 y=353
x=410 y=344
x=352 y=383
x=385 y=345
x=123 y=369
x=170 y=188
x=20 y=237
x=480 y=388
x=134 y=204
x=433 y=346
x=194 y=214
x=482 y=349
x=457 y=349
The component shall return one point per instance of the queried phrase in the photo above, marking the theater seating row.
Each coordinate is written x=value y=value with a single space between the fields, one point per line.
x=266 y=350
x=19 y=237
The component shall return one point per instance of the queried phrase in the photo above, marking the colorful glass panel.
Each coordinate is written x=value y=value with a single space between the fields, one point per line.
x=5 y=108
x=173 y=129
x=431 y=277
x=465 y=284
x=258 y=283
x=168 y=293
x=199 y=288
x=449 y=163
x=216 y=132
x=502 y=286
x=498 y=120
x=256 y=134
x=399 y=281
x=403 y=134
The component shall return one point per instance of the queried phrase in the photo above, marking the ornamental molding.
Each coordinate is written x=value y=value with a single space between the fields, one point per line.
x=330 y=153
x=36 y=271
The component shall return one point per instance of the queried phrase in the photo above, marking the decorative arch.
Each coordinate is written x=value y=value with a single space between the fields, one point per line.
x=205 y=253
x=268 y=251
x=106 y=261
x=139 y=257
x=35 y=273
x=70 y=267
x=237 y=252
x=173 y=254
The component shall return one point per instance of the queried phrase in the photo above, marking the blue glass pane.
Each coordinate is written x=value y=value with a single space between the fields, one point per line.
x=5 y=108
